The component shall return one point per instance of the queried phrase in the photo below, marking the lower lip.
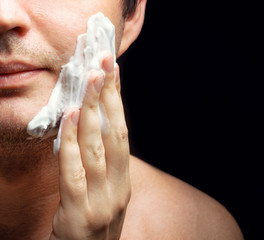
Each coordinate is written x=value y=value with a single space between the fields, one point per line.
x=17 y=80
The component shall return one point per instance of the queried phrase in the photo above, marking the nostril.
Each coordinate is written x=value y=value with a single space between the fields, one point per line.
x=17 y=30
x=13 y=17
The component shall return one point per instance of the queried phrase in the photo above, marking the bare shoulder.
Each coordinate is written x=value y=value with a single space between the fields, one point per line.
x=164 y=207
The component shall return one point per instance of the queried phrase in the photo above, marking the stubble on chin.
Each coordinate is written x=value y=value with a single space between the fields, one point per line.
x=20 y=155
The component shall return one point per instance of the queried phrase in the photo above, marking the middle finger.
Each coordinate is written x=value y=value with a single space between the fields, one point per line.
x=89 y=135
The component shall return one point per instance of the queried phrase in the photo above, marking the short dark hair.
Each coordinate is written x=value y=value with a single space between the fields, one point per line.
x=129 y=6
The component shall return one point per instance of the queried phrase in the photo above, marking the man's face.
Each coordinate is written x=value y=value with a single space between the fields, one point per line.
x=36 y=38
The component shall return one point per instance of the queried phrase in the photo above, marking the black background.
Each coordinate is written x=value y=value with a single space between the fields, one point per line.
x=192 y=91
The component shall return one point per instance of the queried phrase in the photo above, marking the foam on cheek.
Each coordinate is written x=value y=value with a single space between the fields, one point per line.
x=70 y=88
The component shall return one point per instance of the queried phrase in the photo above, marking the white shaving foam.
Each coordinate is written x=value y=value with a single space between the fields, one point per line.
x=71 y=86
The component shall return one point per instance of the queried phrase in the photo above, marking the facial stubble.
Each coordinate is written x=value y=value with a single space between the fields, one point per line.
x=17 y=152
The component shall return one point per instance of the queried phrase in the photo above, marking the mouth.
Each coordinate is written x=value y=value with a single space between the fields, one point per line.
x=17 y=74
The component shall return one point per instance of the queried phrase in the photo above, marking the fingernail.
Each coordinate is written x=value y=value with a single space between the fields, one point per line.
x=98 y=83
x=108 y=62
x=75 y=117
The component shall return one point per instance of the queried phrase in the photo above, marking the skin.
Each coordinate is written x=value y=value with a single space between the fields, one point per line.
x=94 y=189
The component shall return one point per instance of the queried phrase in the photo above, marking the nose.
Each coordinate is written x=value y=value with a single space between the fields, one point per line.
x=13 y=17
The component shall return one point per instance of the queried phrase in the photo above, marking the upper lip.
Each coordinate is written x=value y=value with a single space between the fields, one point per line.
x=16 y=67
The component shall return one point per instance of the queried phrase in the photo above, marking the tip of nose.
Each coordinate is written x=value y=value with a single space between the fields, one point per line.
x=13 y=17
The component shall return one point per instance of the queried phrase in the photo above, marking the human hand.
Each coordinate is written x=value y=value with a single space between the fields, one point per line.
x=94 y=164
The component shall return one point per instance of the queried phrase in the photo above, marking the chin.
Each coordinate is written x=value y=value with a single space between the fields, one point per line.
x=17 y=111
x=15 y=114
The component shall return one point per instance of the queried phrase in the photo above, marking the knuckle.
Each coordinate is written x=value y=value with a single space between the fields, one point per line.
x=121 y=207
x=122 y=134
x=77 y=182
x=106 y=219
x=78 y=175
x=93 y=149
x=91 y=103
x=70 y=139
x=93 y=106
x=123 y=202
x=96 y=150
x=99 y=220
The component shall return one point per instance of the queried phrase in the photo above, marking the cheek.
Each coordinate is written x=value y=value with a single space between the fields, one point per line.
x=59 y=22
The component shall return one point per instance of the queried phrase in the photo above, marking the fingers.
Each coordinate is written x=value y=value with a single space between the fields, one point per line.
x=73 y=189
x=115 y=138
x=81 y=155
x=89 y=155
x=89 y=135
x=94 y=161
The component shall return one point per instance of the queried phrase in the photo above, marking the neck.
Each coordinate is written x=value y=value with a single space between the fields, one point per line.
x=29 y=193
